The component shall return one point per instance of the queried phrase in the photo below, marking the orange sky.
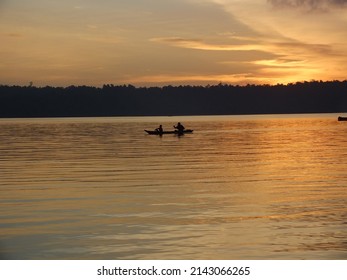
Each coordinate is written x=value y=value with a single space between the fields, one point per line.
x=156 y=42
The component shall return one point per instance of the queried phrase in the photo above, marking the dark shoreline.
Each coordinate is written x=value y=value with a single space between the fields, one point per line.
x=127 y=100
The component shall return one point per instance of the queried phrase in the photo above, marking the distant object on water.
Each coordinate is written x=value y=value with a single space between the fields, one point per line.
x=340 y=119
x=179 y=130
x=155 y=132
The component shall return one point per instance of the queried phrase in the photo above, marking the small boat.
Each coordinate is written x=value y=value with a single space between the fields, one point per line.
x=155 y=132
x=340 y=119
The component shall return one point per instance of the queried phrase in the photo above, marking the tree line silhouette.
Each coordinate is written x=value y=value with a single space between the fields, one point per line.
x=128 y=100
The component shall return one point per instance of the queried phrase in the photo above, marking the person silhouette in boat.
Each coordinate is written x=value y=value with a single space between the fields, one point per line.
x=180 y=128
x=159 y=129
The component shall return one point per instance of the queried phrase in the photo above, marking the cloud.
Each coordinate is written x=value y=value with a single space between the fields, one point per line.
x=280 y=63
x=201 y=45
x=308 y=5
x=14 y=35
x=263 y=59
x=279 y=46
x=315 y=40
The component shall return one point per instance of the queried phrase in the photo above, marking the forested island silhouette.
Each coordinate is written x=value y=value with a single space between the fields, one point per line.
x=128 y=100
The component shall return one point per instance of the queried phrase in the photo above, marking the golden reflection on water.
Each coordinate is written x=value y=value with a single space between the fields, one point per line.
x=237 y=188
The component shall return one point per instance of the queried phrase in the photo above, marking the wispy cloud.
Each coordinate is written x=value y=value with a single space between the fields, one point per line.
x=199 y=44
x=316 y=41
x=286 y=59
x=280 y=63
x=13 y=35
x=308 y=5
x=277 y=46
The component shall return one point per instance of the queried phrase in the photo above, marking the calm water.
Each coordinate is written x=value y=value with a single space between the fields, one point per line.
x=251 y=187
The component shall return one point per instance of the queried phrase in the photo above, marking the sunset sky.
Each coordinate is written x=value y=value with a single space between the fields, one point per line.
x=158 y=42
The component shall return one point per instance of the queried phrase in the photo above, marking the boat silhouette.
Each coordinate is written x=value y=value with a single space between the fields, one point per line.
x=155 y=132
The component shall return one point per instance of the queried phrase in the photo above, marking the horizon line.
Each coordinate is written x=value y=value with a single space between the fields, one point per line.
x=31 y=85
